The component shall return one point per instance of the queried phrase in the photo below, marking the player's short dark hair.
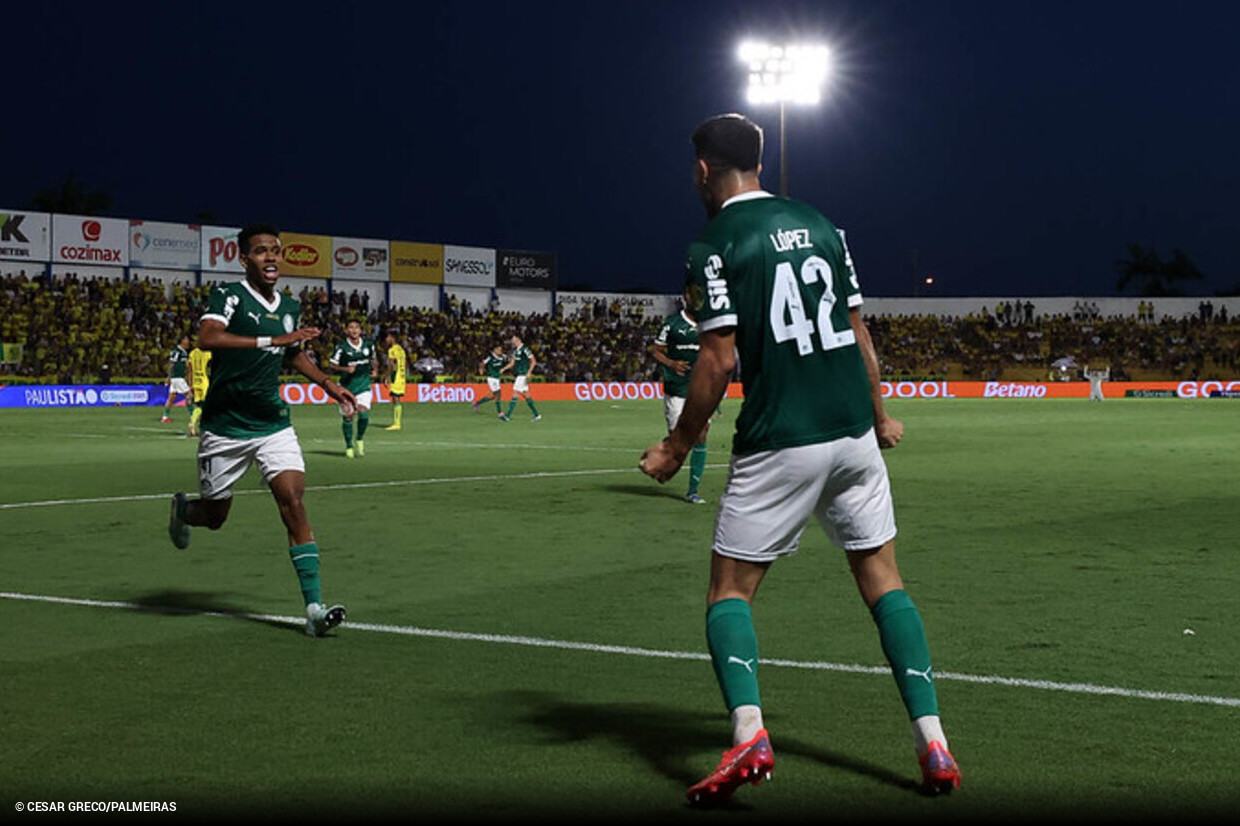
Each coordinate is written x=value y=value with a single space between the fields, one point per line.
x=243 y=237
x=729 y=142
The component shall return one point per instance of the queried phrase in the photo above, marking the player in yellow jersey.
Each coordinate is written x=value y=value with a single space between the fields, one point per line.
x=199 y=380
x=397 y=367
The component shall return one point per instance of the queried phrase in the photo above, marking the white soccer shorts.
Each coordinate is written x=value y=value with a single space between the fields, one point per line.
x=493 y=384
x=770 y=496
x=223 y=461
x=363 y=402
x=178 y=386
x=672 y=407
x=521 y=384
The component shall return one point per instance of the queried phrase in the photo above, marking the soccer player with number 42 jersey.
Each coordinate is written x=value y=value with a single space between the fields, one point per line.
x=773 y=283
x=252 y=328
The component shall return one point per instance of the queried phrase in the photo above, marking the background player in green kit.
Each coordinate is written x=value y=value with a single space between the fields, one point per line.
x=521 y=363
x=356 y=358
x=676 y=349
x=773 y=283
x=493 y=367
x=178 y=360
x=252 y=328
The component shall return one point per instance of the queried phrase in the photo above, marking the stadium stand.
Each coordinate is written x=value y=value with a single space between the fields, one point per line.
x=77 y=330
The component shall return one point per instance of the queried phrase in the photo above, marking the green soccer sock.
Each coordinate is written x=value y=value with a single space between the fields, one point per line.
x=733 y=651
x=346 y=427
x=903 y=638
x=697 y=464
x=498 y=408
x=306 y=563
x=530 y=402
x=512 y=405
x=363 y=422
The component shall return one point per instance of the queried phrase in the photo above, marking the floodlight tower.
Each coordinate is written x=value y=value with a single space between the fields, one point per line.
x=793 y=73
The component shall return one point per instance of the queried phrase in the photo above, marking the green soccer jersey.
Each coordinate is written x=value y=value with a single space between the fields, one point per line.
x=679 y=334
x=360 y=356
x=780 y=273
x=244 y=402
x=521 y=358
x=177 y=360
x=493 y=365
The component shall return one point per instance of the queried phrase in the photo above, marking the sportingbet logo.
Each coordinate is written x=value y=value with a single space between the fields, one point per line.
x=1013 y=390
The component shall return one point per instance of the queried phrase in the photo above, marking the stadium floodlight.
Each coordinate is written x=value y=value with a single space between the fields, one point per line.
x=784 y=74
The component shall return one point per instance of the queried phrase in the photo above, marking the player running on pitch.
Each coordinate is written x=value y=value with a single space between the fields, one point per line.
x=522 y=364
x=355 y=358
x=493 y=367
x=251 y=328
x=177 y=385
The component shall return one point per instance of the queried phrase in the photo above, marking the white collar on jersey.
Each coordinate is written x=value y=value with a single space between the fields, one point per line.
x=688 y=320
x=271 y=305
x=746 y=196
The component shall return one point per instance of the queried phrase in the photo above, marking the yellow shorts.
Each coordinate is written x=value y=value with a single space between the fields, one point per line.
x=200 y=392
x=396 y=389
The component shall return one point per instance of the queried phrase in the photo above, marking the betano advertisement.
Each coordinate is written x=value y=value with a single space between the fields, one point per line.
x=109 y=395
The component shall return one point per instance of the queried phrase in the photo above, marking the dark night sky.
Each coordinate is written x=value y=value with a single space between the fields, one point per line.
x=1017 y=146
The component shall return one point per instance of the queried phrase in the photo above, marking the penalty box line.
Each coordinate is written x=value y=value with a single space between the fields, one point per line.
x=654 y=653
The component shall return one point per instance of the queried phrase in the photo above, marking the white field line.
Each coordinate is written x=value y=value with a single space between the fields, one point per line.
x=393 y=483
x=654 y=653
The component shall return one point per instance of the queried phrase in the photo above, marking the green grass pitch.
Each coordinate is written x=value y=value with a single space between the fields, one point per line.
x=525 y=635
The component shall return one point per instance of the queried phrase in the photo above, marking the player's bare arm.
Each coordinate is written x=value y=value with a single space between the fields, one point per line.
x=709 y=381
x=888 y=430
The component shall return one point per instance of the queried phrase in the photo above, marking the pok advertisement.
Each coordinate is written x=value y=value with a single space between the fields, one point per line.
x=218 y=250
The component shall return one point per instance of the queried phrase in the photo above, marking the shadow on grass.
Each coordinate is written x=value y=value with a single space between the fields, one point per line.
x=654 y=489
x=671 y=740
x=323 y=451
x=195 y=603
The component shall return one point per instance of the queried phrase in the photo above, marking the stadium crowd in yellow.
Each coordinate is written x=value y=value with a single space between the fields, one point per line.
x=79 y=330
